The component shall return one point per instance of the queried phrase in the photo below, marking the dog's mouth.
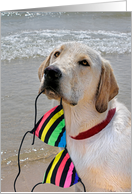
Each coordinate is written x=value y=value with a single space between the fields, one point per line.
x=53 y=94
x=50 y=92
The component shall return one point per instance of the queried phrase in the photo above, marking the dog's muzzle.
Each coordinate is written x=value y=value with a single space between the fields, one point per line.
x=51 y=86
x=52 y=76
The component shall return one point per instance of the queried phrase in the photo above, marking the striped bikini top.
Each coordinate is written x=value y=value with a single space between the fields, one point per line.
x=51 y=130
x=51 y=127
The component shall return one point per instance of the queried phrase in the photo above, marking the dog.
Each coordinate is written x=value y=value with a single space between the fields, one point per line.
x=86 y=83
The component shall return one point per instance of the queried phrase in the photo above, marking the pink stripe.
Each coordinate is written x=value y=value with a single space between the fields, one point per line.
x=69 y=176
x=46 y=115
x=60 y=169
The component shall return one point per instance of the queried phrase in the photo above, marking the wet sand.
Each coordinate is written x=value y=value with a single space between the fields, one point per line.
x=31 y=174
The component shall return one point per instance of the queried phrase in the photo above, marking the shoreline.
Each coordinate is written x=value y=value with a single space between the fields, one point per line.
x=31 y=174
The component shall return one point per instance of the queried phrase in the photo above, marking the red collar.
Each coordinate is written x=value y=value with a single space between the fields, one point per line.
x=96 y=129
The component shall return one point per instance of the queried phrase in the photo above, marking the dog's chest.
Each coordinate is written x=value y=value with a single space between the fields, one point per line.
x=93 y=165
x=86 y=159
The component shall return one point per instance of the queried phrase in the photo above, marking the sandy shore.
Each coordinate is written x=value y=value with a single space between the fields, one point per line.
x=31 y=174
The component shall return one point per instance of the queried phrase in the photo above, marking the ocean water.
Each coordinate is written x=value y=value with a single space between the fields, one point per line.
x=32 y=35
x=26 y=39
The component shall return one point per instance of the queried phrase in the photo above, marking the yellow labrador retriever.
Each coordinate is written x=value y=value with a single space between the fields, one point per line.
x=98 y=127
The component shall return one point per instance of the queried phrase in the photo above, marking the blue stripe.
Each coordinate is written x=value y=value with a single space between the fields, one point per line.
x=76 y=179
x=62 y=142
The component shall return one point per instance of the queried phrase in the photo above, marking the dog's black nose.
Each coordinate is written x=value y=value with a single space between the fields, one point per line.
x=52 y=73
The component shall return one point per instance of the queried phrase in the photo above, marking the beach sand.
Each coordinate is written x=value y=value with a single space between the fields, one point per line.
x=31 y=174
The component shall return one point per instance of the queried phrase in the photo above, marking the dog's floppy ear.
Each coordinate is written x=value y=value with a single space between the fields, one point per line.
x=43 y=66
x=107 y=88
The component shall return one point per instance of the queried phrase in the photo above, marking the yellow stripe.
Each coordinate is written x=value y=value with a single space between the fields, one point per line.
x=57 y=158
x=50 y=123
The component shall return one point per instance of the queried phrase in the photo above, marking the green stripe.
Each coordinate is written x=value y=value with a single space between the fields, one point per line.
x=44 y=178
x=54 y=136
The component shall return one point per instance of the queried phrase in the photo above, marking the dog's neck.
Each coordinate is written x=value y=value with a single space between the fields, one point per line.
x=82 y=117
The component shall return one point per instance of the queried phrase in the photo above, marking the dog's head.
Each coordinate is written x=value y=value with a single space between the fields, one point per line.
x=75 y=72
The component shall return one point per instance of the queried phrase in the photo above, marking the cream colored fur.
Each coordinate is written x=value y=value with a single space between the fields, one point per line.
x=102 y=161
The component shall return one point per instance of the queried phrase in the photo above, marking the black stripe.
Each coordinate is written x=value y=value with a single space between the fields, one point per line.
x=54 y=125
x=73 y=176
x=64 y=173
x=59 y=137
x=56 y=167
x=47 y=120
x=47 y=171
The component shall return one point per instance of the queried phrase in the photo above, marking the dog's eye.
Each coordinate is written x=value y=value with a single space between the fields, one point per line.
x=57 y=54
x=84 y=63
